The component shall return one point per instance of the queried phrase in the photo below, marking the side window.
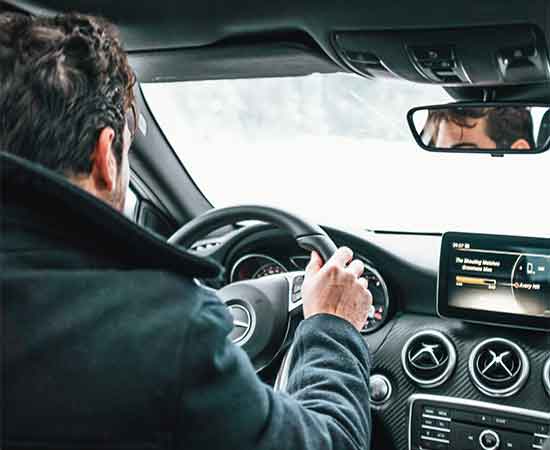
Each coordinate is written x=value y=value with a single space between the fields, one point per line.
x=140 y=209
x=154 y=220
x=132 y=204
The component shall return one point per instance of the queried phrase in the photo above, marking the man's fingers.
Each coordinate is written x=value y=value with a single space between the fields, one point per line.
x=364 y=282
x=356 y=267
x=315 y=264
x=341 y=257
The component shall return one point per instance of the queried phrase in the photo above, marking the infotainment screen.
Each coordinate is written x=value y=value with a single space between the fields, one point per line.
x=501 y=280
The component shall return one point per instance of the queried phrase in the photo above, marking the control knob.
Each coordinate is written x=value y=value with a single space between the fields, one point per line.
x=489 y=440
x=380 y=389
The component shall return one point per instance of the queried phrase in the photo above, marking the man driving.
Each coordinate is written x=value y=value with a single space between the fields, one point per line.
x=483 y=128
x=107 y=345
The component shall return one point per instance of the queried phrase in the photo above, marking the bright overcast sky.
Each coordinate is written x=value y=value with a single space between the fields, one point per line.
x=337 y=149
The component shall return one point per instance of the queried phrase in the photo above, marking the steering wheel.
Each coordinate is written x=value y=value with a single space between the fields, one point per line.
x=261 y=308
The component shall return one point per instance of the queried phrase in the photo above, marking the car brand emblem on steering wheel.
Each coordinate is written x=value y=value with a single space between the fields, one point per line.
x=242 y=323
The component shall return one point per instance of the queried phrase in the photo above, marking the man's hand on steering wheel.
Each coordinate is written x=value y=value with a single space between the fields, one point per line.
x=336 y=288
x=264 y=308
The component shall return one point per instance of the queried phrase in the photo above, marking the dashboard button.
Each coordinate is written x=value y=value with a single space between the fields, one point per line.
x=502 y=421
x=380 y=389
x=430 y=445
x=489 y=440
x=484 y=419
x=511 y=441
x=441 y=435
x=466 y=435
x=429 y=410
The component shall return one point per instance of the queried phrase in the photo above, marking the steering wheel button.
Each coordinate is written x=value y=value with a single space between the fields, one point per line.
x=298 y=282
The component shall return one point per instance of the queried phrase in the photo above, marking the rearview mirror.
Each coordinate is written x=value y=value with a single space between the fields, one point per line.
x=493 y=128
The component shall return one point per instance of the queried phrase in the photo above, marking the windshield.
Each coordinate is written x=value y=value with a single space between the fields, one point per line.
x=336 y=149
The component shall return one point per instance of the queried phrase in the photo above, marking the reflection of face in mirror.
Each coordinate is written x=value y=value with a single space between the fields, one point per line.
x=480 y=128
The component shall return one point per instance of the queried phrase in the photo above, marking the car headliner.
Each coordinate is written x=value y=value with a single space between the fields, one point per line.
x=206 y=39
x=170 y=40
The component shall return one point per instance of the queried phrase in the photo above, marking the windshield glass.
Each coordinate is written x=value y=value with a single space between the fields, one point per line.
x=336 y=149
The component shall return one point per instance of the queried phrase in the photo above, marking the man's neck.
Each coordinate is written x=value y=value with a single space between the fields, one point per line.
x=86 y=183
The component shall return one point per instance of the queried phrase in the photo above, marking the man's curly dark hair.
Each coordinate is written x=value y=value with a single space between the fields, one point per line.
x=505 y=125
x=62 y=80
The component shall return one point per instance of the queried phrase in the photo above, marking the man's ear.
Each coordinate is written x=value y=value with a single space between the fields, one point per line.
x=521 y=144
x=104 y=165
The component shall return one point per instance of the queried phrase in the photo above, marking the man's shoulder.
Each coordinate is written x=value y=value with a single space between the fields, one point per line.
x=51 y=207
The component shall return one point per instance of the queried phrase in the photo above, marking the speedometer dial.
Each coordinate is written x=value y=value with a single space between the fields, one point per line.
x=269 y=269
x=378 y=313
x=255 y=266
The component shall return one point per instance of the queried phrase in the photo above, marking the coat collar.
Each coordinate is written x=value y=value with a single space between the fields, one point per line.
x=28 y=185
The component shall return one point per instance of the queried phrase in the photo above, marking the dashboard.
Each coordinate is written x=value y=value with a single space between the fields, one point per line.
x=441 y=378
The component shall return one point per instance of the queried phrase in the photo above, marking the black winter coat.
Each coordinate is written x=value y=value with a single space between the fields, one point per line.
x=107 y=343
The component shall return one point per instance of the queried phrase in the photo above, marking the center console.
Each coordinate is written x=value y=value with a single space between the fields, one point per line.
x=447 y=423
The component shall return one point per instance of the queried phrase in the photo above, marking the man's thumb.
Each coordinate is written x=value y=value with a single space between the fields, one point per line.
x=315 y=264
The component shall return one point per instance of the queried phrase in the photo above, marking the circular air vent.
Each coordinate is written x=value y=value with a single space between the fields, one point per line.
x=546 y=376
x=428 y=358
x=498 y=367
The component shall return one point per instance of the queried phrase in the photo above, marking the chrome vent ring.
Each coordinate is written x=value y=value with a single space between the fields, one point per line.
x=546 y=376
x=498 y=367
x=428 y=358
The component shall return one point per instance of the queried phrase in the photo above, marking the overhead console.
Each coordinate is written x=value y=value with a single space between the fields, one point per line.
x=479 y=56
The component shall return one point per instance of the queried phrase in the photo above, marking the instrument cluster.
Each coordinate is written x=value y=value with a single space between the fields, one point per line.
x=258 y=265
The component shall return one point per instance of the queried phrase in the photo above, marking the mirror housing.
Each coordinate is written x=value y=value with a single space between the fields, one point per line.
x=495 y=128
